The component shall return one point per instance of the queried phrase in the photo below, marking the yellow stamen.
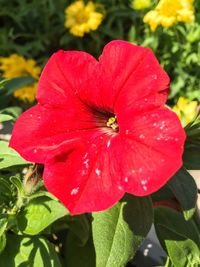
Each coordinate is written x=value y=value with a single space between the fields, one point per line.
x=112 y=123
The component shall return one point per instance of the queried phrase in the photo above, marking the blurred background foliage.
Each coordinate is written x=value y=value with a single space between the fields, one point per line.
x=35 y=29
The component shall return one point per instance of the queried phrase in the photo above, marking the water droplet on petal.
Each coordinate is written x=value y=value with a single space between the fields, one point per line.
x=108 y=144
x=141 y=136
x=98 y=172
x=35 y=150
x=39 y=117
x=120 y=187
x=86 y=163
x=74 y=191
x=31 y=115
x=126 y=179
x=176 y=139
x=145 y=188
x=127 y=132
x=85 y=156
x=143 y=182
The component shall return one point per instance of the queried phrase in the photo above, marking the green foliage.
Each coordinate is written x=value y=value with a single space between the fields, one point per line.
x=7 y=88
x=184 y=189
x=192 y=145
x=8 y=157
x=26 y=251
x=117 y=235
x=38 y=214
x=77 y=255
x=182 y=251
x=173 y=220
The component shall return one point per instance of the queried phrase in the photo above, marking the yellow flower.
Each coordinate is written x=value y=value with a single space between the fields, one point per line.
x=17 y=66
x=169 y=12
x=81 y=18
x=140 y=4
x=185 y=109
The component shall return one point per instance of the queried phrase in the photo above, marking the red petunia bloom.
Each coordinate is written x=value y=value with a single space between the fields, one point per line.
x=100 y=127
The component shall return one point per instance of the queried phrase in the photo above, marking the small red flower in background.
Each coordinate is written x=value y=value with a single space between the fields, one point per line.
x=100 y=127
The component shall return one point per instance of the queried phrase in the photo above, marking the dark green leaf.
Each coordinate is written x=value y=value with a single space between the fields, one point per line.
x=28 y=252
x=3 y=82
x=176 y=222
x=16 y=83
x=191 y=157
x=76 y=255
x=119 y=231
x=2 y=242
x=38 y=214
x=80 y=226
x=184 y=188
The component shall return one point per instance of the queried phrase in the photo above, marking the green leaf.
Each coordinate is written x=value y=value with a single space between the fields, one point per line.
x=5 y=117
x=182 y=251
x=2 y=242
x=191 y=157
x=16 y=181
x=13 y=112
x=184 y=188
x=8 y=157
x=76 y=255
x=38 y=214
x=119 y=231
x=176 y=222
x=5 y=189
x=13 y=84
x=80 y=226
x=3 y=224
x=3 y=82
x=31 y=252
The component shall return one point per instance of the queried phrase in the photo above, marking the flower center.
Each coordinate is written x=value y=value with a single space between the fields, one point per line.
x=112 y=123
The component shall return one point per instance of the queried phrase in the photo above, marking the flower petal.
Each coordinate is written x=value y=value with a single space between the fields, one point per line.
x=150 y=149
x=126 y=74
x=39 y=130
x=63 y=74
x=85 y=180
x=133 y=74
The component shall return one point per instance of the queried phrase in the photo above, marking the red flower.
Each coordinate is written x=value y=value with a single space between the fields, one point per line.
x=100 y=127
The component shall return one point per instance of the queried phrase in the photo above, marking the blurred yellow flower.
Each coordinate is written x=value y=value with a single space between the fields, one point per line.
x=17 y=66
x=169 y=12
x=141 y=4
x=185 y=109
x=81 y=18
